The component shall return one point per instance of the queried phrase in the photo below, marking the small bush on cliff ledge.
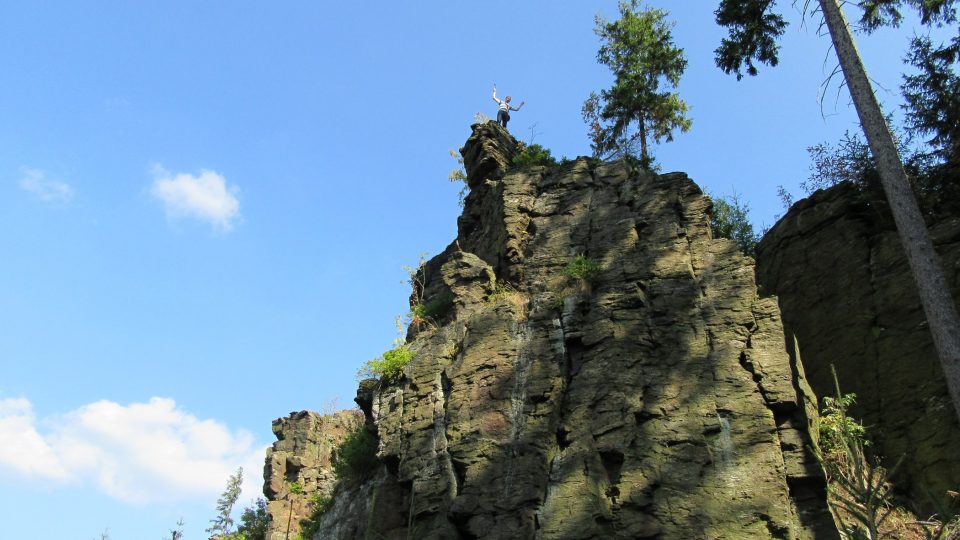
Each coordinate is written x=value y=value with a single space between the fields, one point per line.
x=356 y=456
x=583 y=268
x=534 y=154
x=388 y=369
x=432 y=311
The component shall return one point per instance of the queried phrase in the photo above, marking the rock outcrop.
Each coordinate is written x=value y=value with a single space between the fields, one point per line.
x=846 y=292
x=300 y=466
x=652 y=399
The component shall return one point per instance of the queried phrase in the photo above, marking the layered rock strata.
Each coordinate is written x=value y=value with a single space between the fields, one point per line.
x=652 y=399
x=846 y=292
x=299 y=466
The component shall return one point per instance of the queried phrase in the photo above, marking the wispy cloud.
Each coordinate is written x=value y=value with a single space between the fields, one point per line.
x=205 y=197
x=46 y=189
x=139 y=453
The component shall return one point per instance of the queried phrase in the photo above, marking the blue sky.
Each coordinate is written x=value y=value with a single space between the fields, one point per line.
x=205 y=209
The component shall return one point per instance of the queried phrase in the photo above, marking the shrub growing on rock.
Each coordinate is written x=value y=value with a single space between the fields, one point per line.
x=388 y=369
x=584 y=269
x=534 y=154
x=356 y=456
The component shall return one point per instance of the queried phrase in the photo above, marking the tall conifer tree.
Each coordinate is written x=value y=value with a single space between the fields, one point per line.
x=753 y=30
x=642 y=105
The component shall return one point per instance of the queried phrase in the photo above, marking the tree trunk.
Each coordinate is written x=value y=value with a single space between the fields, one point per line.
x=643 y=142
x=927 y=268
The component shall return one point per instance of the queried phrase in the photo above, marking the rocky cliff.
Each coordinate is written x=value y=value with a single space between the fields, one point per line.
x=652 y=398
x=299 y=466
x=846 y=292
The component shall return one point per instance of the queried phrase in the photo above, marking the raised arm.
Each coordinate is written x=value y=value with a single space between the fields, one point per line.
x=495 y=94
x=518 y=108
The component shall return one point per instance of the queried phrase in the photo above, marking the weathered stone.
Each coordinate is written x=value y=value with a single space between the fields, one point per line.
x=656 y=402
x=302 y=456
x=488 y=153
x=846 y=293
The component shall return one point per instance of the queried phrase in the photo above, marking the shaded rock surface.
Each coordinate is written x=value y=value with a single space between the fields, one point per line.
x=300 y=466
x=655 y=402
x=845 y=290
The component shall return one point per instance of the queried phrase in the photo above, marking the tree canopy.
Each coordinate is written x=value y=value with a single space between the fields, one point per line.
x=742 y=47
x=642 y=104
x=753 y=31
x=933 y=95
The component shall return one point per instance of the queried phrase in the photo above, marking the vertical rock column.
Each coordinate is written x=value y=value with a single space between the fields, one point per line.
x=300 y=466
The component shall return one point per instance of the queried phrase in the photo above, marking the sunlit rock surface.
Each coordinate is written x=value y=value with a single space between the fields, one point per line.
x=656 y=402
x=300 y=466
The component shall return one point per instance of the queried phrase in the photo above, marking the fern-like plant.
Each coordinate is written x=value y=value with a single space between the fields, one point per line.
x=858 y=488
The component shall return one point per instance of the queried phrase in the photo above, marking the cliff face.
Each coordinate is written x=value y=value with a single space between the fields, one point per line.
x=655 y=401
x=300 y=466
x=846 y=292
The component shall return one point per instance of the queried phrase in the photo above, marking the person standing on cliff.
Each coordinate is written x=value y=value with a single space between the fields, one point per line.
x=503 y=114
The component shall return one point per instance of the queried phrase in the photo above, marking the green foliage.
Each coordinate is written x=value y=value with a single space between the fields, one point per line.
x=356 y=456
x=534 y=154
x=432 y=310
x=584 y=269
x=933 y=180
x=296 y=488
x=933 y=95
x=222 y=525
x=642 y=103
x=753 y=31
x=253 y=522
x=753 y=28
x=837 y=428
x=877 y=13
x=418 y=285
x=730 y=219
x=459 y=175
x=847 y=161
x=859 y=489
x=388 y=368
x=319 y=505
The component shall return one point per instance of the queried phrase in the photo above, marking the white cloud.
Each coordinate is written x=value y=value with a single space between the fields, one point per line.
x=24 y=450
x=47 y=189
x=139 y=453
x=206 y=197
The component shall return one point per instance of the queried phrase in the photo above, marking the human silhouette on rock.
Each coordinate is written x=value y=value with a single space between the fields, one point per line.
x=503 y=114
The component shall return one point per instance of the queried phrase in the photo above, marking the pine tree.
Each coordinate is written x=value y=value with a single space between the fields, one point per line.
x=745 y=45
x=642 y=104
x=223 y=523
x=933 y=95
